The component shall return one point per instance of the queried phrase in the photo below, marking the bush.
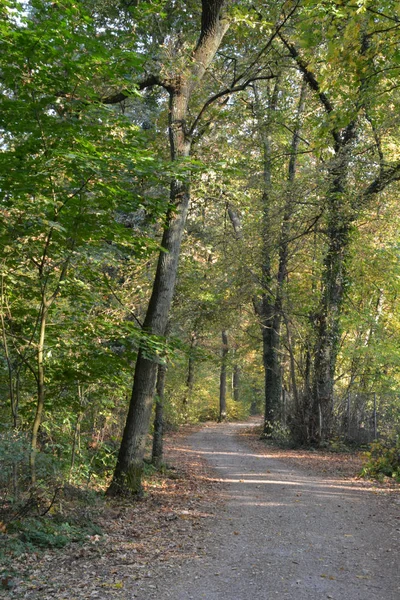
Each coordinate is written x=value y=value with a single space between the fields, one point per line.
x=35 y=534
x=382 y=460
x=280 y=434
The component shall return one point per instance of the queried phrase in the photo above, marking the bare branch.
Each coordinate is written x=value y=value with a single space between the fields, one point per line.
x=385 y=178
x=381 y=14
x=118 y=299
x=263 y=50
x=226 y=92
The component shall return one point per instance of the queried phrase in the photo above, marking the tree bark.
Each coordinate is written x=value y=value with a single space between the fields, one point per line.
x=127 y=477
x=266 y=306
x=129 y=468
x=272 y=366
x=222 y=378
x=40 y=389
x=190 y=377
x=13 y=396
x=158 y=435
x=270 y=309
x=333 y=285
x=236 y=382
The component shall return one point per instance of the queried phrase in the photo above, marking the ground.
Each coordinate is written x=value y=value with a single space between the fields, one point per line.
x=236 y=519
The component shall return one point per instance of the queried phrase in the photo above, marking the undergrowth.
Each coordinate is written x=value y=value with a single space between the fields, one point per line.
x=33 y=534
x=382 y=460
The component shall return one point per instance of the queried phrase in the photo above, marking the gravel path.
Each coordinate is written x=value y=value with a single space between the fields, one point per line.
x=282 y=533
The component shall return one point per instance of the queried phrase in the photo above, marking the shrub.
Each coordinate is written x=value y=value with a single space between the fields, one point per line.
x=35 y=534
x=382 y=460
x=280 y=434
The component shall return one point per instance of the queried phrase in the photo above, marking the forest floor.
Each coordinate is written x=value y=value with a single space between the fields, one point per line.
x=236 y=518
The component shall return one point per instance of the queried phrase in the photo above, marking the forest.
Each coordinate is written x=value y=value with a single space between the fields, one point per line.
x=199 y=221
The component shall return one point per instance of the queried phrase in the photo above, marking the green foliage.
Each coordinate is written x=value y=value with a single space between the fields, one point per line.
x=102 y=463
x=382 y=460
x=36 y=534
x=42 y=534
x=338 y=445
x=235 y=411
x=279 y=434
x=74 y=221
x=15 y=450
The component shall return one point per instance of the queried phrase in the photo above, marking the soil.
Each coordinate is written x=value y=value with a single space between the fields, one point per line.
x=241 y=521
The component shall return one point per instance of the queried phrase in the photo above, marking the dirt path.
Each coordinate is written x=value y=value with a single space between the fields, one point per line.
x=265 y=524
x=283 y=533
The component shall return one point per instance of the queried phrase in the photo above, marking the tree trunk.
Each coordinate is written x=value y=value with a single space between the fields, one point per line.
x=158 y=435
x=222 y=378
x=270 y=309
x=40 y=390
x=75 y=442
x=127 y=477
x=236 y=383
x=189 y=378
x=128 y=472
x=13 y=395
x=272 y=367
x=333 y=285
x=266 y=308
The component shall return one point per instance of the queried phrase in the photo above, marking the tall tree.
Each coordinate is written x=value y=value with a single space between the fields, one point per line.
x=270 y=308
x=222 y=377
x=65 y=165
x=348 y=117
x=181 y=84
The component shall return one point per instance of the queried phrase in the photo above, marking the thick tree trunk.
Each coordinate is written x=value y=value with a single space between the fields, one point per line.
x=129 y=468
x=328 y=333
x=266 y=308
x=270 y=309
x=272 y=367
x=128 y=471
x=333 y=286
x=222 y=378
x=158 y=434
x=341 y=214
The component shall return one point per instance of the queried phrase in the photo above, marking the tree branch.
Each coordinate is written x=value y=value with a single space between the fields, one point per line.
x=149 y=81
x=385 y=178
x=267 y=45
x=226 y=92
x=308 y=75
x=118 y=299
x=377 y=12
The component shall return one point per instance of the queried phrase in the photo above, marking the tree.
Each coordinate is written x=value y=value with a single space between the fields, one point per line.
x=67 y=175
x=181 y=86
x=222 y=378
x=348 y=118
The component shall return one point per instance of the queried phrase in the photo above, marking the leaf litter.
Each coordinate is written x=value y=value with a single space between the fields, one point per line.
x=139 y=540
x=143 y=540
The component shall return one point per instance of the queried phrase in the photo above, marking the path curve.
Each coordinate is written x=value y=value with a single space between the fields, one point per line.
x=282 y=533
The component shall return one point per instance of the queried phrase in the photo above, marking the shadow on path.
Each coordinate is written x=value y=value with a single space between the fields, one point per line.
x=284 y=534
